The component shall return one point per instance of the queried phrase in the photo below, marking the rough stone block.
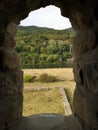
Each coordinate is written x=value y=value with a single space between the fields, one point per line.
x=8 y=41
x=47 y=122
x=85 y=111
x=11 y=97
x=9 y=59
x=10 y=109
x=12 y=29
x=11 y=82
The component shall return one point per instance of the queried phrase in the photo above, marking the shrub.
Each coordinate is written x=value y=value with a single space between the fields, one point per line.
x=29 y=78
x=47 y=78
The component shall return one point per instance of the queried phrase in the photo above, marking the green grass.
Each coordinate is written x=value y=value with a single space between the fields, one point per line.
x=42 y=102
x=29 y=79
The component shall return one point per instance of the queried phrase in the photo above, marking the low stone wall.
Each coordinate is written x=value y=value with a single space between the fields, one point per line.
x=67 y=106
x=65 y=101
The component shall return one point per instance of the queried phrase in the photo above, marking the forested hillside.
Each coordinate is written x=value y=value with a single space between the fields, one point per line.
x=44 y=47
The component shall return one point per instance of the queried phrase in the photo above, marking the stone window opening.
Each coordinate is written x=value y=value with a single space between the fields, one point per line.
x=59 y=14
x=84 y=19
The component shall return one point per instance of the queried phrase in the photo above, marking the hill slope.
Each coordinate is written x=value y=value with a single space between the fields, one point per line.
x=44 y=47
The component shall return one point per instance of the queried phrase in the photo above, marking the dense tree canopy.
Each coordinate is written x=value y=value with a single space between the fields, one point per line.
x=44 y=47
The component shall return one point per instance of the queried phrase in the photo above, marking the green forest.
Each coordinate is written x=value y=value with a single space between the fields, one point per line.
x=44 y=47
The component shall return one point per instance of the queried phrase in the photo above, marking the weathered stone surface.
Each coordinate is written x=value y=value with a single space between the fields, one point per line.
x=12 y=29
x=85 y=48
x=10 y=109
x=47 y=122
x=90 y=73
x=83 y=15
x=11 y=82
x=84 y=41
x=11 y=98
x=85 y=111
x=8 y=41
x=9 y=36
x=9 y=59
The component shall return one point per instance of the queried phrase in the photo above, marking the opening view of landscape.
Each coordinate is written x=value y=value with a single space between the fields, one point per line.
x=46 y=60
x=49 y=65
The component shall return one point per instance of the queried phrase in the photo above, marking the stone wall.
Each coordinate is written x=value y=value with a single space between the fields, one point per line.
x=83 y=15
x=85 y=65
x=11 y=83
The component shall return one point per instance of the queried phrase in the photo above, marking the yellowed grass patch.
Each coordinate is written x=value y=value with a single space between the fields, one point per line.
x=42 y=102
x=33 y=100
x=62 y=73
